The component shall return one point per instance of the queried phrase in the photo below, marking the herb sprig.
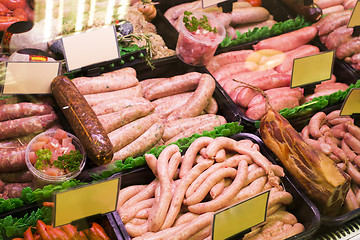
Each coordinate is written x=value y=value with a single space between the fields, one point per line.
x=69 y=161
x=193 y=24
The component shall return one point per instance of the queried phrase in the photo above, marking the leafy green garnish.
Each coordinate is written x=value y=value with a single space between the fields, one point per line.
x=11 y=227
x=192 y=23
x=317 y=103
x=265 y=32
x=224 y=130
x=43 y=159
x=70 y=161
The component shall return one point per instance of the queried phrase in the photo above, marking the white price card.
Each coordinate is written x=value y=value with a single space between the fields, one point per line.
x=29 y=77
x=91 y=47
x=85 y=201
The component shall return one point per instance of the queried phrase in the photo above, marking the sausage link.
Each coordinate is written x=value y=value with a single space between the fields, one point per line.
x=128 y=192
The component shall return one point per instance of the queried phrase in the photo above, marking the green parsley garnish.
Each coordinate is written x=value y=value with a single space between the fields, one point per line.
x=192 y=24
x=44 y=156
x=69 y=161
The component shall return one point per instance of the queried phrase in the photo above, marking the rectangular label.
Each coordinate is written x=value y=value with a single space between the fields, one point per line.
x=240 y=217
x=30 y=77
x=351 y=104
x=90 y=47
x=209 y=3
x=86 y=201
x=355 y=16
x=312 y=69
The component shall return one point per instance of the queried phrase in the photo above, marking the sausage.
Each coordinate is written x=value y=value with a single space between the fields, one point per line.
x=12 y=159
x=24 y=109
x=258 y=111
x=100 y=98
x=349 y=153
x=231 y=191
x=175 y=12
x=243 y=28
x=288 y=41
x=341 y=119
x=191 y=152
x=26 y=125
x=143 y=213
x=135 y=230
x=333 y=9
x=105 y=83
x=230 y=69
x=147 y=83
x=175 y=127
x=315 y=123
x=351 y=201
x=224 y=18
x=326 y=3
x=212 y=107
x=349 y=4
x=226 y=58
x=281 y=197
x=334 y=23
x=141 y=195
x=326 y=86
x=322 y=146
x=208 y=126
x=158 y=212
x=174 y=164
x=142 y=144
x=209 y=182
x=198 y=101
x=115 y=120
x=352 y=142
x=353 y=172
x=283 y=216
x=14 y=189
x=173 y=85
x=173 y=99
x=130 y=212
x=118 y=105
x=273 y=81
x=127 y=193
x=184 y=218
x=338 y=37
x=173 y=102
x=249 y=15
x=179 y=193
x=275 y=93
x=131 y=131
x=83 y=120
x=217 y=189
x=353 y=130
x=348 y=48
x=333 y=115
x=302 y=51
x=16 y=177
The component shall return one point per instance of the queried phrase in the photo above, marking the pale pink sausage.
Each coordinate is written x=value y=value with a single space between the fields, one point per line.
x=315 y=123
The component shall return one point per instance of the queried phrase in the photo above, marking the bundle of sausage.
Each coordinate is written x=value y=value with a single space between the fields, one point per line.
x=338 y=137
x=243 y=17
x=268 y=67
x=176 y=101
x=333 y=32
x=19 y=123
x=214 y=173
x=332 y=6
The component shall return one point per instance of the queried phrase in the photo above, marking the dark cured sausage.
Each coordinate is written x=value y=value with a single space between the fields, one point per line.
x=83 y=120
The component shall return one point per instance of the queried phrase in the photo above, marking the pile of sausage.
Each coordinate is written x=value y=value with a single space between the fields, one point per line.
x=331 y=6
x=334 y=33
x=134 y=124
x=268 y=67
x=243 y=17
x=19 y=123
x=338 y=137
x=12 y=11
x=185 y=102
x=213 y=174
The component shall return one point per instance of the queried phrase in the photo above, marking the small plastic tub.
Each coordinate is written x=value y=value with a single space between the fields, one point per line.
x=40 y=177
x=197 y=48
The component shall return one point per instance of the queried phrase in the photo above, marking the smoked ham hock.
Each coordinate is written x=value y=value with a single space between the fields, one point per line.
x=317 y=174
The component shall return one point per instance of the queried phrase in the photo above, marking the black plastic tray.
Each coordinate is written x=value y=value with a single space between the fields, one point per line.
x=304 y=210
x=107 y=221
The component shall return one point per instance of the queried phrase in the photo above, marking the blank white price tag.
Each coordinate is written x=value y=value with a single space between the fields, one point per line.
x=90 y=47
x=30 y=77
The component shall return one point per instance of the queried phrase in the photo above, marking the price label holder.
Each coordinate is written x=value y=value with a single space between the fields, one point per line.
x=29 y=77
x=84 y=203
x=235 y=220
x=90 y=48
x=351 y=105
x=312 y=69
x=226 y=5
